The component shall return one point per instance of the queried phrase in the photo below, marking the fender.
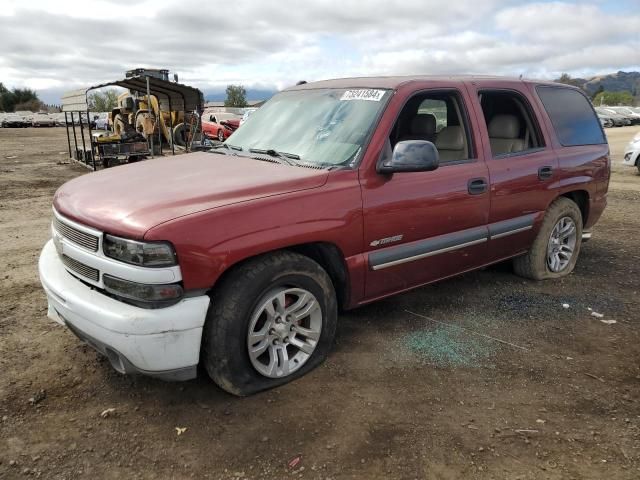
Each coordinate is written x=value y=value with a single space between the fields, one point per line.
x=208 y=243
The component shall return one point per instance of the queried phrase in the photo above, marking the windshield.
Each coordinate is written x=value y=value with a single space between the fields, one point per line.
x=324 y=127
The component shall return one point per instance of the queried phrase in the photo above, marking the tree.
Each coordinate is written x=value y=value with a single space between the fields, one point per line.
x=3 y=93
x=30 y=105
x=613 y=98
x=19 y=96
x=103 y=101
x=236 y=96
x=568 y=80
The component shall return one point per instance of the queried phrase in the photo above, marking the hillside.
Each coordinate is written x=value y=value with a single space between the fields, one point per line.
x=613 y=82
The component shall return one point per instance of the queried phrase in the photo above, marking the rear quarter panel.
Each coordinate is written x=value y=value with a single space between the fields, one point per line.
x=581 y=168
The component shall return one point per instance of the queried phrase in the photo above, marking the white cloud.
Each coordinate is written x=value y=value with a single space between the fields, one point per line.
x=568 y=25
x=273 y=43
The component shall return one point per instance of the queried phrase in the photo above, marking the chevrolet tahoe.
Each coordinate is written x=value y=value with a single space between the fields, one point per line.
x=332 y=195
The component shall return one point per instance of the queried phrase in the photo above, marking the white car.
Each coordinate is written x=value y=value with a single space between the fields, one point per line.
x=101 y=121
x=26 y=115
x=632 y=153
x=42 y=120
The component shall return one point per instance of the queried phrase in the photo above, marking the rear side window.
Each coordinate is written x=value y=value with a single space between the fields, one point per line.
x=572 y=116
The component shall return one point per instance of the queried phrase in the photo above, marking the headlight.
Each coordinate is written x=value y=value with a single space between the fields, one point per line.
x=144 y=254
x=143 y=295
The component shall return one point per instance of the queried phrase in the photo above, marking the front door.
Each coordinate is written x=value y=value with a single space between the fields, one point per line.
x=420 y=227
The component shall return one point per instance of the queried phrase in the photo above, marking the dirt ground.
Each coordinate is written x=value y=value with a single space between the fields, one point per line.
x=483 y=376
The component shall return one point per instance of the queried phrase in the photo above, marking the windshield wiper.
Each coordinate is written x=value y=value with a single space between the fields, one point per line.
x=288 y=158
x=231 y=148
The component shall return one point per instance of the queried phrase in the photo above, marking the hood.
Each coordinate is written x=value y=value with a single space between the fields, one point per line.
x=129 y=200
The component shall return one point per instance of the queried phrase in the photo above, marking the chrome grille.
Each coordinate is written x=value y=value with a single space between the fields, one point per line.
x=74 y=235
x=80 y=268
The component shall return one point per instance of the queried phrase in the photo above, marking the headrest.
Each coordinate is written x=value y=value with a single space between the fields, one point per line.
x=450 y=138
x=504 y=126
x=423 y=124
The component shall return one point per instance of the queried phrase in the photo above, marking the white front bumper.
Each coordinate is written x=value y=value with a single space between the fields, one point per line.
x=163 y=342
x=631 y=157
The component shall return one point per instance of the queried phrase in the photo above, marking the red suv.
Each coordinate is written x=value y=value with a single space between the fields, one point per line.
x=334 y=194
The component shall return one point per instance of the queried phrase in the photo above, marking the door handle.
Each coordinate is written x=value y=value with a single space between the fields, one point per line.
x=477 y=186
x=545 y=172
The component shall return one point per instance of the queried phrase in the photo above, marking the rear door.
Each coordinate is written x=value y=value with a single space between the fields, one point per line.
x=423 y=226
x=523 y=167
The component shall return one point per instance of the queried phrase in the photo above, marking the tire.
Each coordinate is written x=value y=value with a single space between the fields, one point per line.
x=220 y=135
x=535 y=264
x=118 y=124
x=233 y=315
x=139 y=125
x=180 y=134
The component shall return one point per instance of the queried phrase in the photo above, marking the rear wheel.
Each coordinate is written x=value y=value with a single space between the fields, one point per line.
x=555 y=250
x=272 y=320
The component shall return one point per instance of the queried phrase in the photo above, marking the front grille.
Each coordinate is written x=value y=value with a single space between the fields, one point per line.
x=76 y=236
x=80 y=268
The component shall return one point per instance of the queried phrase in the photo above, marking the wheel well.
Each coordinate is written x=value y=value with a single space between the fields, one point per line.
x=580 y=198
x=331 y=259
x=327 y=255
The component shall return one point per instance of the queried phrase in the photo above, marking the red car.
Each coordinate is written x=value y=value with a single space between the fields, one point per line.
x=335 y=194
x=219 y=125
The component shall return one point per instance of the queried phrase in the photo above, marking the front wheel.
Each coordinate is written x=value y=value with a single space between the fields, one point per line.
x=119 y=124
x=555 y=250
x=272 y=320
x=220 y=135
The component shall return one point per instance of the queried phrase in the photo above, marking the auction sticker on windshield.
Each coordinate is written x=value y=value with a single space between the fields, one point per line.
x=363 y=94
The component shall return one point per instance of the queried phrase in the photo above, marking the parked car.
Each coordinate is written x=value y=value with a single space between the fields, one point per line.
x=632 y=153
x=26 y=115
x=617 y=119
x=242 y=260
x=13 y=120
x=634 y=118
x=606 y=122
x=101 y=121
x=42 y=120
x=219 y=125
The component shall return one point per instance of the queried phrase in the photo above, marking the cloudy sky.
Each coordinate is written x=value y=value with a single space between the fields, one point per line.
x=55 y=46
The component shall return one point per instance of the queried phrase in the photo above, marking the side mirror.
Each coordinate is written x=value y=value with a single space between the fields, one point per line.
x=410 y=156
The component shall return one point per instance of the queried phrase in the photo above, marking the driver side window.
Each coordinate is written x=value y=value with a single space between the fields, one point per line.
x=436 y=117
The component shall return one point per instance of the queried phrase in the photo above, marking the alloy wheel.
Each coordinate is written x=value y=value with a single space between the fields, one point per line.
x=284 y=331
x=562 y=244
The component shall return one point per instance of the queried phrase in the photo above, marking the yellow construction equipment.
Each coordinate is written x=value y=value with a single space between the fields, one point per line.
x=137 y=112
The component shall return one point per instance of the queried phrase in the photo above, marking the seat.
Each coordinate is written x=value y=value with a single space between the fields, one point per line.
x=504 y=131
x=421 y=127
x=450 y=144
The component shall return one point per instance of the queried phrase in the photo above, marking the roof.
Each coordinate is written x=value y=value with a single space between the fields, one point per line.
x=395 y=82
x=181 y=97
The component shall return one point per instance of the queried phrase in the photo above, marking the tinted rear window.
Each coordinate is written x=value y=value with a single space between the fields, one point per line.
x=572 y=116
